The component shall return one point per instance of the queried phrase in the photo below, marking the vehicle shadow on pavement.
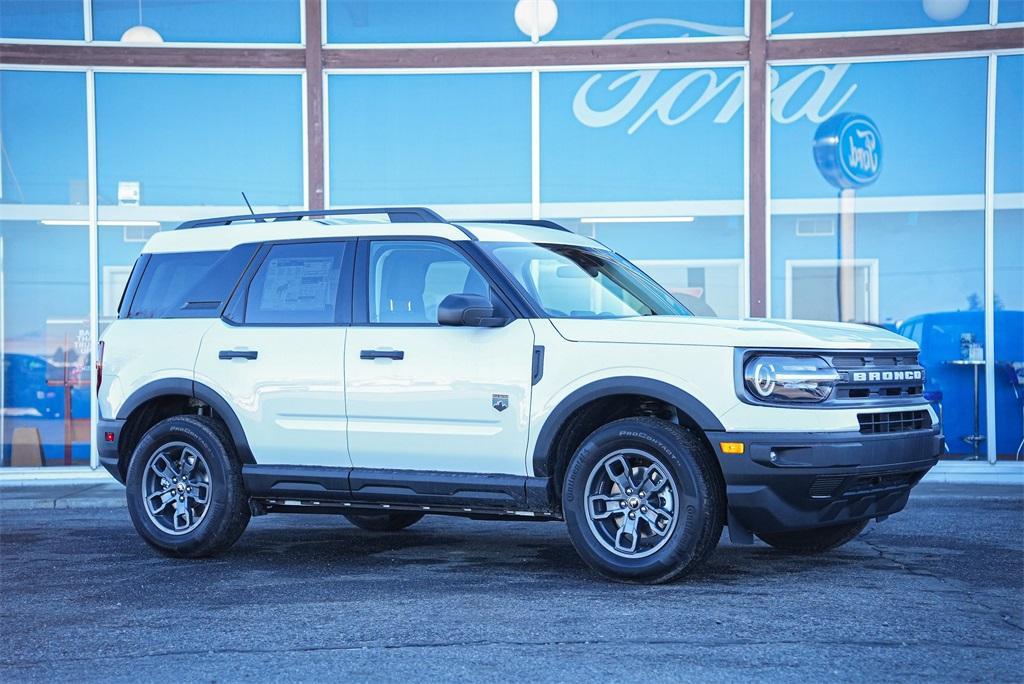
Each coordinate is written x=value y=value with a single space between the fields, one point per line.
x=539 y=551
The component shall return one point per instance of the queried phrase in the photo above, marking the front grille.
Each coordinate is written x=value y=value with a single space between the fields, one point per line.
x=869 y=484
x=840 y=487
x=879 y=378
x=825 y=486
x=893 y=421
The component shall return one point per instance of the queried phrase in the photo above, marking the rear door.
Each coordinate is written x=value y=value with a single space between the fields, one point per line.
x=277 y=354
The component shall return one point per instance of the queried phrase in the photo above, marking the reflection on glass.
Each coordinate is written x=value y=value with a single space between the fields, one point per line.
x=698 y=259
x=914 y=240
x=1010 y=11
x=650 y=162
x=1009 y=257
x=455 y=139
x=209 y=21
x=44 y=270
x=42 y=121
x=568 y=281
x=646 y=19
x=814 y=16
x=422 y=21
x=195 y=139
x=641 y=135
x=447 y=21
x=51 y=20
x=46 y=344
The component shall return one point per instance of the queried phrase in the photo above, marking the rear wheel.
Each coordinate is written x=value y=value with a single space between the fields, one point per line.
x=184 y=488
x=391 y=521
x=643 y=501
x=815 y=540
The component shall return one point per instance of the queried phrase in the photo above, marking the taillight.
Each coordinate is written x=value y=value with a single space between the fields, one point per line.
x=99 y=366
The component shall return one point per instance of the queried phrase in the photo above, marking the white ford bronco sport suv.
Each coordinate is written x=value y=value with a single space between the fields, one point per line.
x=386 y=364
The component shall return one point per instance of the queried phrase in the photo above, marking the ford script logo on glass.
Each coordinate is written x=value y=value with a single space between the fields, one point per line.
x=848 y=150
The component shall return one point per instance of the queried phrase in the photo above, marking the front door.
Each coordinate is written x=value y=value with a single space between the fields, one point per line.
x=279 y=357
x=427 y=397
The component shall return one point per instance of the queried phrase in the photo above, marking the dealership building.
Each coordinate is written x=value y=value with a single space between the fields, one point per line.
x=843 y=160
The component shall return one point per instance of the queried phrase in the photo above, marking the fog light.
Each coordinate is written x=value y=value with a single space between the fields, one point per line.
x=731 y=447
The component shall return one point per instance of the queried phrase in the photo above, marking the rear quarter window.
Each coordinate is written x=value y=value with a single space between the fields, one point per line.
x=189 y=284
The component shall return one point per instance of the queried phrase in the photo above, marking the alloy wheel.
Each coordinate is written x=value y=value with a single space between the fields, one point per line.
x=632 y=503
x=176 y=488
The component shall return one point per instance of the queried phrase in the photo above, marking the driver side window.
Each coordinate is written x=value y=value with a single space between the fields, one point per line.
x=409 y=279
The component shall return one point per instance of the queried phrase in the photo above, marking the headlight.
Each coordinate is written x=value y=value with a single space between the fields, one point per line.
x=789 y=378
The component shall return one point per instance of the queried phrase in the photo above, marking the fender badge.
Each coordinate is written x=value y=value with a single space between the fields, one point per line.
x=499 y=402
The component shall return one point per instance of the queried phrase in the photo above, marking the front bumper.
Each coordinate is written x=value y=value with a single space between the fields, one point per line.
x=800 y=480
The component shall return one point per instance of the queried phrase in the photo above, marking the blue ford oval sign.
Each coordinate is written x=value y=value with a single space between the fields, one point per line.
x=848 y=150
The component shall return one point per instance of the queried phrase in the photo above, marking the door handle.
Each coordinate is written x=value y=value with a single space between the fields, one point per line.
x=378 y=354
x=234 y=354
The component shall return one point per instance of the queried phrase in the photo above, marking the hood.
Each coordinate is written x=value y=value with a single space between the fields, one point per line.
x=720 y=332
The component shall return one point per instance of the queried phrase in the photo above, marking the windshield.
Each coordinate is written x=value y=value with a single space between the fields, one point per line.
x=567 y=281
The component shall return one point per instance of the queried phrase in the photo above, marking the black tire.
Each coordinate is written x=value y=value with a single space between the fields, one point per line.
x=226 y=511
x=698 y=500
x=815 y=540
x=390 y=521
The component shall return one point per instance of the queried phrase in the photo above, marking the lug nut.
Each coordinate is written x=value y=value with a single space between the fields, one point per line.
x=632 y=515
x=629 y=491
x=643 y=509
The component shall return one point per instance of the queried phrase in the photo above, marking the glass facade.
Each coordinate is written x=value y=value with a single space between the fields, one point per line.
x=210 y=21
x=1008 y=257
x=625 y=157
x=511 y=21
x=44 y=248
x=461 y=140
x=650 y=156
x=813 y=16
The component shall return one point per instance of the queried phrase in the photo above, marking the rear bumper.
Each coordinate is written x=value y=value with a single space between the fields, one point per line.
x=108 y=451
x=793 y=480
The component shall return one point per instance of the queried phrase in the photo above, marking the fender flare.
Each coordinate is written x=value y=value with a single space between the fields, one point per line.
x=670 y=394
x=196 y=390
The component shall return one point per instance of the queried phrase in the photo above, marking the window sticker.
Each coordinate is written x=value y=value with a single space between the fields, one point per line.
x=299 y=284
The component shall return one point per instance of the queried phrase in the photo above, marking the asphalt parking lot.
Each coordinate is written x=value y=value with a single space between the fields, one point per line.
x=935 y=593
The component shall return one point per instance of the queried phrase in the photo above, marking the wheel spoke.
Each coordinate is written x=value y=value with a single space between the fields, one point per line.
x=652 y=481
x=618 y=470
x=200 y=492
x=627 y=537
x=157 y=501
x=182 y=515
x=658 y=520
x=187 y=463
x=602 y=506
x=164 y=468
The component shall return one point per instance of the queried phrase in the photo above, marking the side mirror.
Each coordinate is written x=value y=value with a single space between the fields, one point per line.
x=468 y=310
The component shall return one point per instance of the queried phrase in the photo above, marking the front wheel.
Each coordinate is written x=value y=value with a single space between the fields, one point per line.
x=643 y=501
x=391 y=521
x=184 y=488
x=815 y=540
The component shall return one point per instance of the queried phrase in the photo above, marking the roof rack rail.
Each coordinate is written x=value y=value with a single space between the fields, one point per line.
x=395 y=215
x=539 y=223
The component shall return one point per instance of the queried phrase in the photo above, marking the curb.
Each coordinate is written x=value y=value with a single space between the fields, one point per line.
x=61 y=504
x=66 y=497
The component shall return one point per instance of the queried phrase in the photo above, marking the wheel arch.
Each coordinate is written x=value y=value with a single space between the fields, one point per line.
x=168 y=397
x=596 y=403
